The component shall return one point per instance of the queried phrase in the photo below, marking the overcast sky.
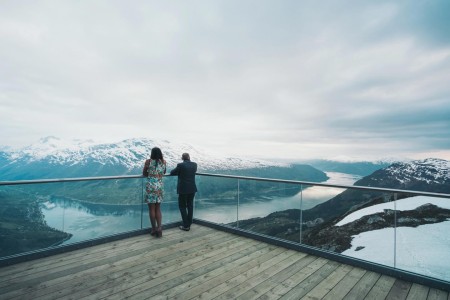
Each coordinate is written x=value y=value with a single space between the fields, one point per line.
x=272 y=79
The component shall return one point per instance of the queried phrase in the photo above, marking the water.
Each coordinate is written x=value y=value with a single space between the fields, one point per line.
x=86 y=220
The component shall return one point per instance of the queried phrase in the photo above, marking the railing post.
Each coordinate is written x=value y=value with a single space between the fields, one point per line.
x=64 y=210
x=237 y=206
x=301 y=212
x=395 y=230
x=142 y=203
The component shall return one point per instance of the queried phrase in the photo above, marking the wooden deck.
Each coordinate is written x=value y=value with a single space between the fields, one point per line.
x=200 y=264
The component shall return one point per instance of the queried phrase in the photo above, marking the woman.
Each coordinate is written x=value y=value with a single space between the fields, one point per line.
x=154 y=169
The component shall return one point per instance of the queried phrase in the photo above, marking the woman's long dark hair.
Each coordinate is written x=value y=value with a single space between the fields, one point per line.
x=156 y=155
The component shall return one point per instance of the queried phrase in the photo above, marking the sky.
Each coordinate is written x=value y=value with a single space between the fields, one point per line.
x=344 y=79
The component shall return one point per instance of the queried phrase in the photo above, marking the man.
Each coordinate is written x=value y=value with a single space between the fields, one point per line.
x=186 y=189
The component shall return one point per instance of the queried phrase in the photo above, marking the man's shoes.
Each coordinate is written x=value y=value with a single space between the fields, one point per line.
x=185 y=228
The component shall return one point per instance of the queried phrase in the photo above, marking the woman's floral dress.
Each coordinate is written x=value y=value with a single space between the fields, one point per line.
x=154 y=187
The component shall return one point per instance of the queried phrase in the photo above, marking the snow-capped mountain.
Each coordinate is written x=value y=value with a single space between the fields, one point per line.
x=54 y=157
x=431 y=174
x=430 y=170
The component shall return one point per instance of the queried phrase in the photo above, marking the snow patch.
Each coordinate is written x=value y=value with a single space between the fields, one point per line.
x=403 y=204
x=423 y=249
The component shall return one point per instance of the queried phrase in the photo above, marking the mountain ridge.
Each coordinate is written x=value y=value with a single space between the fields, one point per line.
x=88 y=158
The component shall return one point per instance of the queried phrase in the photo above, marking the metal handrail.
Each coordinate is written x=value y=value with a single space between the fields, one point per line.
x=366 y=188
x=356 y=187
x=37 y=181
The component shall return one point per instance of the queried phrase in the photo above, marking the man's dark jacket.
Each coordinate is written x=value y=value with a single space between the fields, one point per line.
x=186 y=177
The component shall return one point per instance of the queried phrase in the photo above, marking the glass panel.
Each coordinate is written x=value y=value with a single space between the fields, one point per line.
x=422 y=235
x=97 y=208
x=216 y=200
x=356 y=223
x=36 y=216
x=270 y=208
x=23 y=226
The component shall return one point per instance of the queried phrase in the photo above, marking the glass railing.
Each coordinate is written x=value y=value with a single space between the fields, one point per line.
x=405 y=230
x=47 y=213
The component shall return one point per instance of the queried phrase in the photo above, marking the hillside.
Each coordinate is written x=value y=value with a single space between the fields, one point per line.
x=319 y=229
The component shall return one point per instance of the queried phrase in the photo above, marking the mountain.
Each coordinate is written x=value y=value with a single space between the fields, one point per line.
x=431 y=175
x=55 y=158
x=52 y=157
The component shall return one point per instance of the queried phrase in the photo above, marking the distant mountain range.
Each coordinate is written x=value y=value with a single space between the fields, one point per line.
x=52 y=157
x=55 y=158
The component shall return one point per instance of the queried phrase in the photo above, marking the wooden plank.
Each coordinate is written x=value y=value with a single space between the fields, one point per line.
x=435 y=294
x=417 y=291
x=362 y=288
x=345 y=285
x=279 y=278
x=117 y=269
x=381 y=288
x=328 y=283
x=178 y=261
x=201 y=264
x=148 y=288
x=34 y=268
x=191 y=288
x=311 y=281
x=102 y=264
x=144 y=267
x=88 y=263
x=232 y=287
x=247 y=289
x=399 y=290
x=49 y=262
x=216 y=286
x=282 y=289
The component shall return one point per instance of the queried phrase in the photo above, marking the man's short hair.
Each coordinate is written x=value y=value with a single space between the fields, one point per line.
x=185 y=156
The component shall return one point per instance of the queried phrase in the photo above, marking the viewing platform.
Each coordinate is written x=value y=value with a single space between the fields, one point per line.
x=204 y=263
x=88 y=238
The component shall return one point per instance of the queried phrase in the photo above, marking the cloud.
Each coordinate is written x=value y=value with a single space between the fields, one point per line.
x=341 y=78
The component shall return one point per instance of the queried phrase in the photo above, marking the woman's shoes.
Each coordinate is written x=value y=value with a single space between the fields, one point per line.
x=156 y=232
x=159 y=233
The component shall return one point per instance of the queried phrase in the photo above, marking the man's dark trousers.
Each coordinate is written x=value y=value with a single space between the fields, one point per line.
x=186 y=206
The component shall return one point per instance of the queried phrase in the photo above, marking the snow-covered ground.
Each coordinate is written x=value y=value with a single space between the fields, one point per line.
x=424 y=249
x=403 y=204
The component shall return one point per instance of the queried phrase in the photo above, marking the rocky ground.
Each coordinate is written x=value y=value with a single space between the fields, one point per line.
x=328 y=236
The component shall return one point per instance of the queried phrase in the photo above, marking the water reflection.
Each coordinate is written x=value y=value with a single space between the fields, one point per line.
x=89 y=220
x=86 y=220
x=310 y=197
